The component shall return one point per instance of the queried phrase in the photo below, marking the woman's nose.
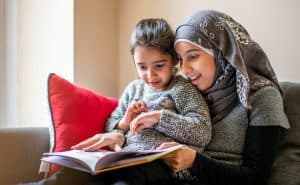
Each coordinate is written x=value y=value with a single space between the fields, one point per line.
x=185 y=67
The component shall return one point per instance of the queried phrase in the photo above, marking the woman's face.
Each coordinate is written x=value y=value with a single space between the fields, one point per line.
x=196 y=64
x=154 y=67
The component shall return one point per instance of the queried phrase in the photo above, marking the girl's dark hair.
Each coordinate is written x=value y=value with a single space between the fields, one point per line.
x=153 y=33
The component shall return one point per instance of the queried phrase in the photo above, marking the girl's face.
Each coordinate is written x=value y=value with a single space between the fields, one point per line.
x=196 y=64
x=154 y=67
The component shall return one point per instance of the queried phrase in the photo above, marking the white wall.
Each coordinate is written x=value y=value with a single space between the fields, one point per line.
x=45 y=44
x=95 y=46
x=2 y=58
x=95 y=51
x=274 y=24
x=9 y=64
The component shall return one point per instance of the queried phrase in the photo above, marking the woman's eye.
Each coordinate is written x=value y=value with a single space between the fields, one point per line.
x=193 y=57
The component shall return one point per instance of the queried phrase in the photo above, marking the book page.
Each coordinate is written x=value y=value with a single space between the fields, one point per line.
x=86 y=159
x=99 y=160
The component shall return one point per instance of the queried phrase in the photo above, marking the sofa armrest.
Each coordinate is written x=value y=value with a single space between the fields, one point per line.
x=21 y=150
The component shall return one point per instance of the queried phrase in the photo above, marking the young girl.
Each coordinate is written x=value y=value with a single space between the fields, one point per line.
x=172 y=109
x=156 y=108
x=159 y=106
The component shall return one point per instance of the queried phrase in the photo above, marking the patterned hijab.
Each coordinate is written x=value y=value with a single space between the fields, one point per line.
x=242 y=66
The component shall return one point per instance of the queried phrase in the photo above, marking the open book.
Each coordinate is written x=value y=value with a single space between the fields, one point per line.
x=103 y=160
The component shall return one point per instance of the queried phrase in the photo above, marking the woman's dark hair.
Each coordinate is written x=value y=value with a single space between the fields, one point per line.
x=153 y=33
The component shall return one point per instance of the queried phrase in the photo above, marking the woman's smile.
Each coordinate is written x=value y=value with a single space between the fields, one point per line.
x=194 y=79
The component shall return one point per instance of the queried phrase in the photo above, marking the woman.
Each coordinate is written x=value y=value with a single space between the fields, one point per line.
x=218 y=56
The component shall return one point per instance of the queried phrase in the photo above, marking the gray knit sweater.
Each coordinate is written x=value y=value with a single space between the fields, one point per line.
x=184 y=115
x=229 y=134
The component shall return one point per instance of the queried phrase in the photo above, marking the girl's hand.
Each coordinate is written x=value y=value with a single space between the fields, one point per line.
x=113 y=140
x=144 y=120
x=133 y=110
x=179 y=160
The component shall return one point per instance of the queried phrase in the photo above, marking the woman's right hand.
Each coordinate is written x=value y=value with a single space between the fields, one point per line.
x=112 y=140
x=180 y=159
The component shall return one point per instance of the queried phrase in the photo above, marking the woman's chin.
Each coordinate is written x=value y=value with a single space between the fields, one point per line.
x=202 y=87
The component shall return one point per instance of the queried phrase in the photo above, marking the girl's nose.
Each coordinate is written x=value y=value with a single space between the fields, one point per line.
x=150 y=73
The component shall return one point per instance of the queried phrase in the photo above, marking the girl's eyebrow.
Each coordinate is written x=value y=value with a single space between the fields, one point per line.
x=159 y=61
x=154 y=62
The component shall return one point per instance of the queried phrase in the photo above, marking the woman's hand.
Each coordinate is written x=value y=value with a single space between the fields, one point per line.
x=144 y=120
x=179 y=160
x=113 y=140
x=133 y=110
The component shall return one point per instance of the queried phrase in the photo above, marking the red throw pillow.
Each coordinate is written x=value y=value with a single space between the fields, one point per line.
x=77 y=113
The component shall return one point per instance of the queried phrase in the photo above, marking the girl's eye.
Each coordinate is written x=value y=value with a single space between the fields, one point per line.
x=143 y=68
x=160 y=66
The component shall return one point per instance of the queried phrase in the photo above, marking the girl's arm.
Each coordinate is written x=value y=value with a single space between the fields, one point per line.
x=119 y=112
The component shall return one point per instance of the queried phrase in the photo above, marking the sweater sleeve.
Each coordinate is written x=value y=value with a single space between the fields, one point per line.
x=261 y=142
x=119 y=112
x=260 y=149
x=191 y=123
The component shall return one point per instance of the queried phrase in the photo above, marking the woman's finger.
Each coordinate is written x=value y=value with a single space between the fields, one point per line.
x=133 y=125
x=117 y=148
x=138 y=127
x=133 y=128
x=167 y=145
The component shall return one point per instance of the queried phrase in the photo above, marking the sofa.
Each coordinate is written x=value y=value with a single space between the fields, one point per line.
x=21 y=148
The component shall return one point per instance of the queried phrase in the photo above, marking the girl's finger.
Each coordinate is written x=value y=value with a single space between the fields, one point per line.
x=84 y=143
x=95 y=146
x=142 y=105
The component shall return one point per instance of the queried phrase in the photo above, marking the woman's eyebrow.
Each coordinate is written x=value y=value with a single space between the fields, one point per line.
x=199 y=50
x=192 y=50
x=189 y=51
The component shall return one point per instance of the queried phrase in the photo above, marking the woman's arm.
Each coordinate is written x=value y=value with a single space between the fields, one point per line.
x=191 y=123
x=260 y=148
x=266 y=121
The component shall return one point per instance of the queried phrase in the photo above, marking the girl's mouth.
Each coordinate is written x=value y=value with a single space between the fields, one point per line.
x=153 y=84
